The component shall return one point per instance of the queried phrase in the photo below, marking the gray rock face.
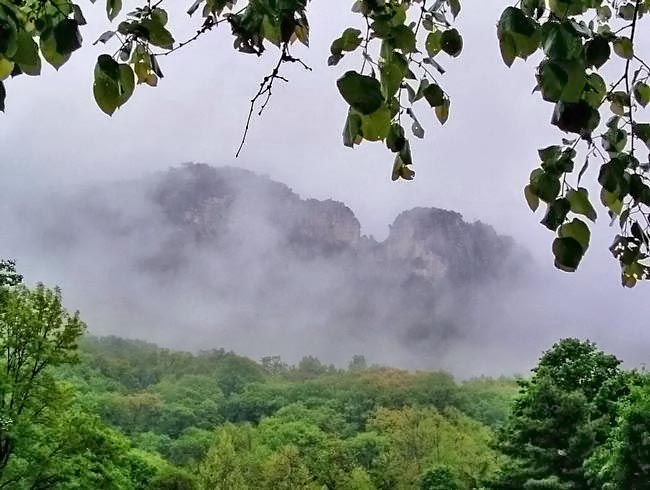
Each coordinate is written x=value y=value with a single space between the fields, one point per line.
x=435 y=243
x=217 y=255
x=209 y=204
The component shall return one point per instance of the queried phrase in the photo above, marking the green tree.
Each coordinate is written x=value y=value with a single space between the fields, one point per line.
x=562 y=414
x=274 y=365
x=173 y=479
x=189 y=448
x=36 y=334
x=310 y=366
x=591 y=71
x=359 y=479
x=71 y=449
x=422 y=438
x=358 y=363
x=221 y=469
x=622 y=462
x=439 y=478
x=233 y=373
x=285 y=471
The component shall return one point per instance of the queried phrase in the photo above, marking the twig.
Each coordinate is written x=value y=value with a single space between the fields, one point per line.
x=266 y=89
x=207 y=26
x=627 y=71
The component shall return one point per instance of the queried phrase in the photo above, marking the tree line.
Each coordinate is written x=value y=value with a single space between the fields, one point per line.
x=83 y=412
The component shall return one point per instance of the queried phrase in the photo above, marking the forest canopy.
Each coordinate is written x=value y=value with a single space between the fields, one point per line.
x=86 y=412
x=592 y=73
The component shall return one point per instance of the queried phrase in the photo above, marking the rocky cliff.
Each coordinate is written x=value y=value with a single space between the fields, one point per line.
x=212 y=256
x=210 y=204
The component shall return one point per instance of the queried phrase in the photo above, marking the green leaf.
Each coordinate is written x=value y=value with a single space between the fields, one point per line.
x=49 y=51
x=624 y=48
x=395 y=140
x=160 y=16
x=579 y=118
x=6 y=67
x=151 y=80
x=614 y=140
x=67 y=36
x=562 y=163
x=107 y=94
x=561 y=81
x=79 y=15
x=361 y=92
x=595 y=90
x=27 y=54
x=556 y=213
x=194 y=7
x=533 y=7
x=271 y=30
x=158 y=35
x=550 y=153
x=113 y=8
x=400 y=167
x=597 y=51
x=568 y=253
x=561 y=42
x=508 y=49
x=405 y=154
x=451 y=42
x=114 y=83
x=604 y=12
x=352 y=130
x=611 y=201
x=564 y=8
x=349 y=41
x=642 y=131
x=127 y=84
x=518 y=34
x=642 y=93
x=577 y=230
x=8 y=34
x=434 y=95
x=107 y=67
x=334 y=59
x=417 y=129
x=580 y=203
x=531 y=198
x=627 y=11
x=433 y=43
x=546 y=186
x=455 y=7
x=639 y=190
x=375 y=126
x=403 y=38
x=392 y=73
x=442 y=111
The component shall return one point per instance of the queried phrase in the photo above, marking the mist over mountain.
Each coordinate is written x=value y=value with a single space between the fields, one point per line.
x=201 y=257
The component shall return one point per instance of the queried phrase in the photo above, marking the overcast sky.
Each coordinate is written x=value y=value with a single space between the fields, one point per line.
x=53 y=134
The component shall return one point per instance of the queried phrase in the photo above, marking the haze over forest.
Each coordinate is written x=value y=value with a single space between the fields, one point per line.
x=200 y=257
x=476 y=165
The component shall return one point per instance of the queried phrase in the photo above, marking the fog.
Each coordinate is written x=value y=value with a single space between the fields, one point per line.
x=257 y=302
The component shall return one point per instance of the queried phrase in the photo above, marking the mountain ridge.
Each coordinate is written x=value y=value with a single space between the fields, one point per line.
x=199 y=255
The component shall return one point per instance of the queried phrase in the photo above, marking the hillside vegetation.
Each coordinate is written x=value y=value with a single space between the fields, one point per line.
x=81 y=412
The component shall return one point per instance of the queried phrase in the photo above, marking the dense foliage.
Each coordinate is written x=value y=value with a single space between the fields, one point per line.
x=80 y=412
x=401 y=46
x=234 y=423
